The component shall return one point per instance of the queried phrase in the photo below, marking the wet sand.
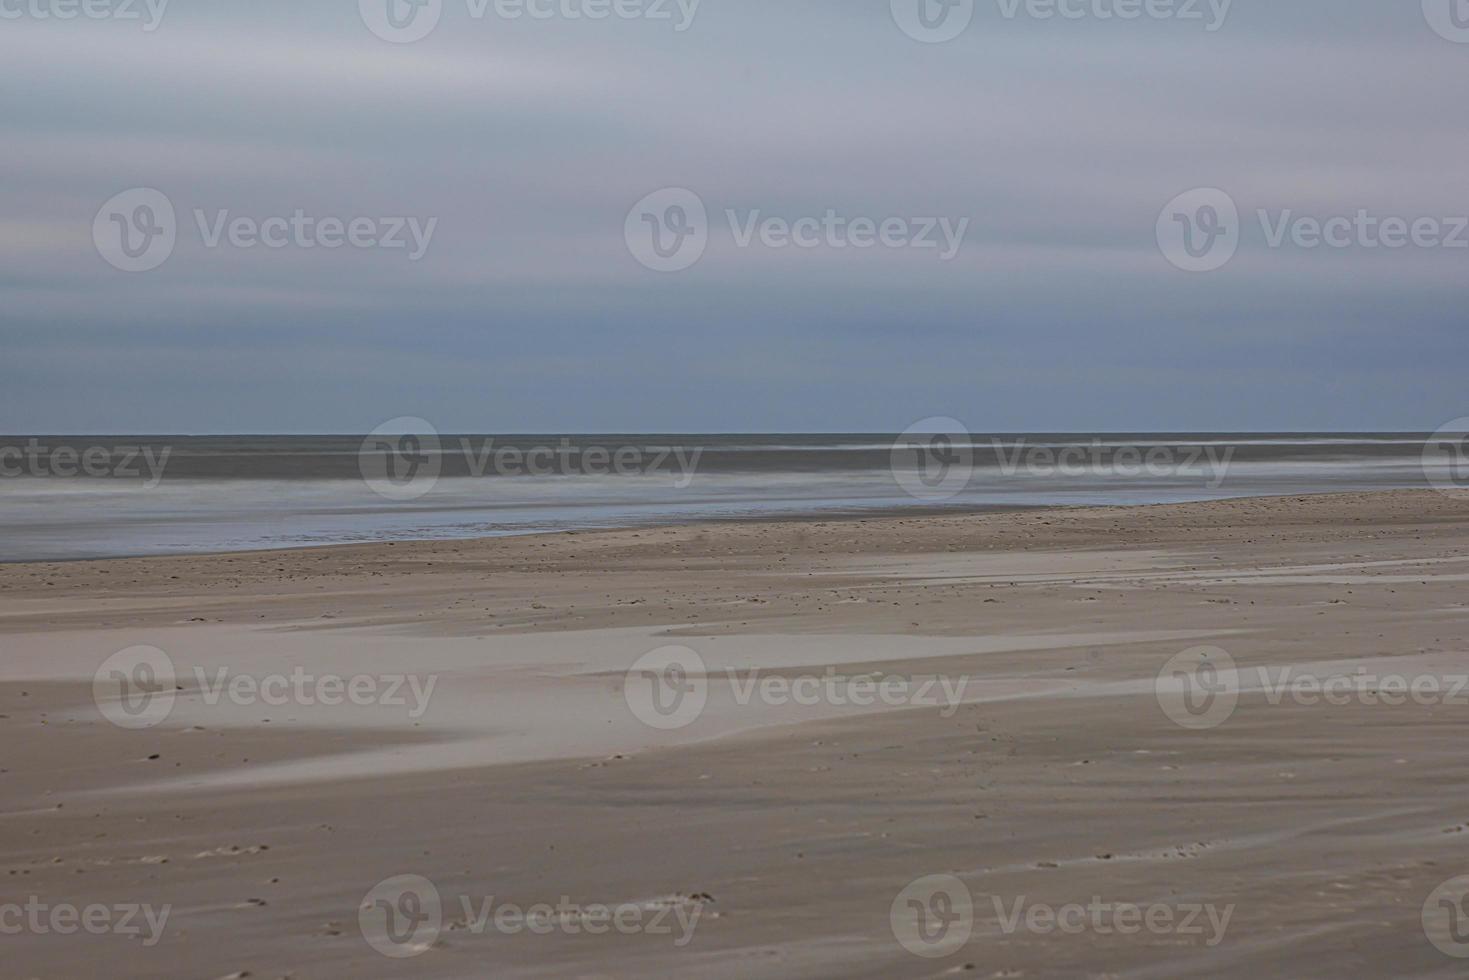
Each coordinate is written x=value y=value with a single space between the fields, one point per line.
x=783 y=831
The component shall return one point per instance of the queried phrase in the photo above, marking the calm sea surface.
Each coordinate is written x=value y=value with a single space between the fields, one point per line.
x=80 y=497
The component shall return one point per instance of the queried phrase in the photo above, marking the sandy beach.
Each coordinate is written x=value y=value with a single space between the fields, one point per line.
x=875 y=702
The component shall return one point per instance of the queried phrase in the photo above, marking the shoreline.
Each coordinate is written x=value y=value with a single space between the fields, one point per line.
x=917 y=511
x=879 y=513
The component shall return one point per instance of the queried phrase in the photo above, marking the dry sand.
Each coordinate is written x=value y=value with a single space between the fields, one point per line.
x=770 y=839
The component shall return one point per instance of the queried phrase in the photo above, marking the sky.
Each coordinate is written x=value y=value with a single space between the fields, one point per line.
x=861 y=223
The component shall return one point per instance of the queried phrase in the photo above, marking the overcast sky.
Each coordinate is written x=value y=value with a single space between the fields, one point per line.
x=524 y=145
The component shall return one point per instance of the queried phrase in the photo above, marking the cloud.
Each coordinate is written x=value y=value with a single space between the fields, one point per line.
x=530 y=140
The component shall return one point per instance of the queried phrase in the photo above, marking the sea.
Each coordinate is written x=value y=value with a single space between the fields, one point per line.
x=76 y=497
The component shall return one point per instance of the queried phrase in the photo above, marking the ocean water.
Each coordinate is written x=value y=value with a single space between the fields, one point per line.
x=85 y=497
